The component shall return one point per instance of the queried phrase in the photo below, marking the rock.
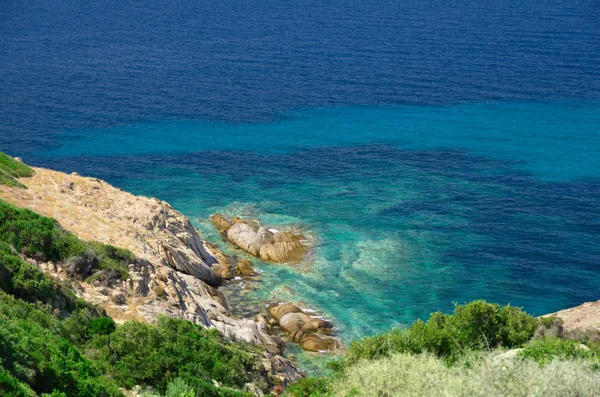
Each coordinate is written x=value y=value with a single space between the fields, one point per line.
x=138 y=285
x=585 y=316
x=507 y=355
x=179 y=258
x=313 y=343
x=252 y=388
x=223 y=265
x=19 y=159
x=221 y=222
x=245 y=237
x=118 y=298
x=244 y=268
x=284 y=247
x=583 y=347
x=279 y=247
x=311 y=333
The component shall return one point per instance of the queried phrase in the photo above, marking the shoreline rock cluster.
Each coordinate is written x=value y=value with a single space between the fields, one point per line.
x=260 y=241
x=311 y=333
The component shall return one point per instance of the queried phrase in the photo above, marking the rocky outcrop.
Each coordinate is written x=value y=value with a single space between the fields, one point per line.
x=261 y=242
x=223 y=267
x=221 y=222
x=585 y=317
x=176 y=271
x=312 y=333
x=244 y=268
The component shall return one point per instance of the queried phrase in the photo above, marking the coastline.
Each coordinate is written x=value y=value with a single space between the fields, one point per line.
x=94 y=210
x=175 y=272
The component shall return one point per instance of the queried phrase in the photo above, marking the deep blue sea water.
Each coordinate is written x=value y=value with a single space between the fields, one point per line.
x=438 y=151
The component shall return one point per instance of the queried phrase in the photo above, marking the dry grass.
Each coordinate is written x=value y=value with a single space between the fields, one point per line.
x=477 y=376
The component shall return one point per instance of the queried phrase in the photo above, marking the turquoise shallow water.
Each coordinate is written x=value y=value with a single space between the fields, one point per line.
x=412 y=208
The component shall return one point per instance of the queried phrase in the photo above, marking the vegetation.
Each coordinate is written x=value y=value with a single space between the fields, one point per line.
x=54 y=344
x=11 y=170
x=43 y=239
x=547 y=349
x=475 y=326
x=147 y=355
x=477 y=375
x=38 y=356
x=460 y=354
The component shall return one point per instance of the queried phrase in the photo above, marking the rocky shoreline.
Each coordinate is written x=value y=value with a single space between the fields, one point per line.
x=176 y=272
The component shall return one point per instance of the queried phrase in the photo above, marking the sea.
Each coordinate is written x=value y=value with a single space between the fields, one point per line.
x=436 y=151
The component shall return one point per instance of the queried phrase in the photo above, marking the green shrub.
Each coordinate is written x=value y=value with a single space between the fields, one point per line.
x=102 y=326
x=546 y=349
x=474 y=326
x=46 y=362
x=178 y=388
x=308 y=387
x=44 y=239
x=26 y=282
x=11 y=170
x=114 y=259
x=147 y=355
x=82 y=265
x=11 y=387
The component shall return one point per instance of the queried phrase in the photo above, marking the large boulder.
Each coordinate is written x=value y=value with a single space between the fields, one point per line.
x=278 y=247
x=245 y=237
x=310 y=332
x=223 y=265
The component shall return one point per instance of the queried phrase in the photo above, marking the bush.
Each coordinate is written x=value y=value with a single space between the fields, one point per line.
x=82 y=265
x=308 y=387
x=10 y=386
x=102 y=326
x=160 y=292
x=42 y=360
x=147 y=355
x=26 y=282
x=44 y=239
x=547 y=349
x=11 y=170
x=474 y=326
x=178 y=388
